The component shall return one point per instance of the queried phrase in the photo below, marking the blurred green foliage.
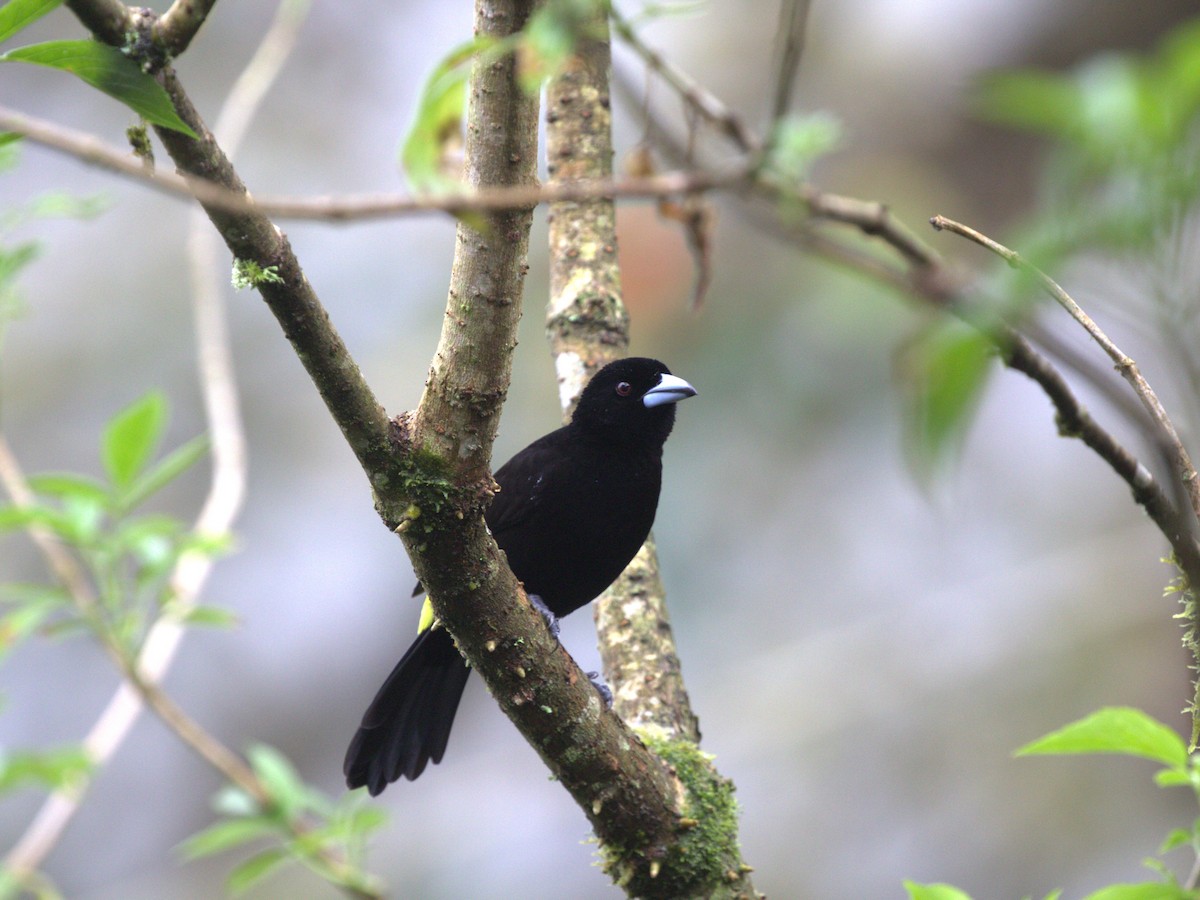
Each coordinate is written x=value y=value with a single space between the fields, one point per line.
x=333 y=843
x=1124 y=172
x=1122 y=180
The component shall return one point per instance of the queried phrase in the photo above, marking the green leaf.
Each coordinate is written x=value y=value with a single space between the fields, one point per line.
x=946 y=371
x=19 y=624
x=279 y=778
x=549 y=38
x=365 y=820
x=233 y=801
x=1034 y=101
x=16 y=593
x=1172 y=778
x=1179 y=837
x=84 y=516
x=224 y=835
x=69 y=484
x=109 y=70
x=1114 y=729
x=166 y=470
x=439 y=118
x=131 y=437
x=14 y=517
x=18 y=14
x=61 y=205
x=14 y=259
x=53 y=769
x=210 y=617
x=799 y=140
x=255 y=869
x=934 y=892
x=1150 y=890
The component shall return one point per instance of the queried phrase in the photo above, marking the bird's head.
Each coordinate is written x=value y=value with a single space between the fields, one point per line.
x=631 y=399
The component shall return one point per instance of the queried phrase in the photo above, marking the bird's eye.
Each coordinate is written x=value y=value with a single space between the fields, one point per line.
x=624 y=389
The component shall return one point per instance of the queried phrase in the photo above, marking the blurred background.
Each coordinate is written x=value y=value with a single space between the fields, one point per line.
x=864 y=652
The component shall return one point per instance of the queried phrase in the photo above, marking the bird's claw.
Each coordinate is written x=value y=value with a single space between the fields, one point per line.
x=602 y=689
x=551 y=619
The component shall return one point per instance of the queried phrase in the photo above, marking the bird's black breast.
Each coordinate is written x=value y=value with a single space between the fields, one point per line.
x=571 y=514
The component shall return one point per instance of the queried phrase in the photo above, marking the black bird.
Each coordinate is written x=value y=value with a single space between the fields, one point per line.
x=573 y=509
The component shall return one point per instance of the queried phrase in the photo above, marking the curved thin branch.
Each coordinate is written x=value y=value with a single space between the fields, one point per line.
x=1124 y=364
x=702 y=101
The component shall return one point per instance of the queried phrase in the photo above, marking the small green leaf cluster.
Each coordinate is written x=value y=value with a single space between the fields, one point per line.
x=298 y=824
x=1126 y=165
x=103 y=67
x=124 y=557
x=1128 y=732
x=249 y=274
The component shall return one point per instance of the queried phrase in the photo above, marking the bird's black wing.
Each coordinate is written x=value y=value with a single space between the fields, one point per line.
x=524 y=480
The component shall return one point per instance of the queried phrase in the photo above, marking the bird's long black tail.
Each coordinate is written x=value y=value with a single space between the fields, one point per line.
x=408 y=723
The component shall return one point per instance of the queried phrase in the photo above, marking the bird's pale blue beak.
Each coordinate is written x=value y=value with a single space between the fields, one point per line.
x=669 y=389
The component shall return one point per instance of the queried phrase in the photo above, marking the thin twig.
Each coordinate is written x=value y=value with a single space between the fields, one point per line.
x=64 y=566
x=1124 y=364
x=793 y=22
x=871 y=218
x=707 y=105
x=355 y=208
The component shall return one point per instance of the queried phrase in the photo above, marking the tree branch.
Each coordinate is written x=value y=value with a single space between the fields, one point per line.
x=110 y=20
x=178 y=25
x=702 y=101
x=252 y=237
x=352 y=208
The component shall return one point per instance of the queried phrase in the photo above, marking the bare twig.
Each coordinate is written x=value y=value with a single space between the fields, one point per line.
x=793 y=22
x=707 y=105
x=871 y=218
x=357 y=208
x=1124 y=364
